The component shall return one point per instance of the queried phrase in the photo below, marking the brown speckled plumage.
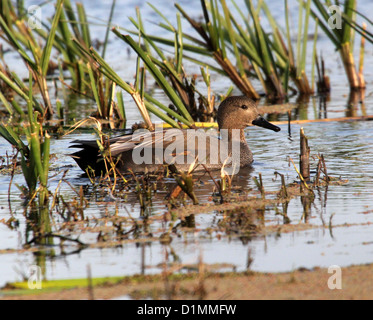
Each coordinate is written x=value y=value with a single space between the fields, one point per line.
x=236 y=112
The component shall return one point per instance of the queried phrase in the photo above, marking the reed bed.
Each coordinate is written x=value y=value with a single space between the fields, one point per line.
x=234 y=37
x=343 y=36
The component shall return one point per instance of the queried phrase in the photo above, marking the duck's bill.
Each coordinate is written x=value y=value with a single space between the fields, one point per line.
x=261 y=122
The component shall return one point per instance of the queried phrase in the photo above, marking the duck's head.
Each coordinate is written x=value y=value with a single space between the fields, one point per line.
x=239 y=112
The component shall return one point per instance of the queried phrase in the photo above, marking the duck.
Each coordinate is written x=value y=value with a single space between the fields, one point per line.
x=184 y=149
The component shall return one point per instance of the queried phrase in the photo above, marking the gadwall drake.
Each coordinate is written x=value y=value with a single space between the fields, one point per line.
x=145 y=151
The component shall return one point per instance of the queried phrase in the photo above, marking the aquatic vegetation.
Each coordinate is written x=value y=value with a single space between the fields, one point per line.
x=85 y=80
x=22 y=41
x=271 y=61
x=145 y=211
x=212 y=42
x=221 y=33
x=35 y=155
x=342 y=36
x=267 y=55
x=259 y=185
x=304 y=159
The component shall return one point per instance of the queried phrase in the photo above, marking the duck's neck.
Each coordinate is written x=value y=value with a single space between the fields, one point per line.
x=237 y=146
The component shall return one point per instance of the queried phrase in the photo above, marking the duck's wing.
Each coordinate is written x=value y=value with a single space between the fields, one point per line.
x=145 y=139
x=125 y=143
x=89 y=155
x=180 y=146
x=175 y=146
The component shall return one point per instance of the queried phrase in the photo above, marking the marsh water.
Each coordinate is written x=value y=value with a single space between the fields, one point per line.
x=343 y=212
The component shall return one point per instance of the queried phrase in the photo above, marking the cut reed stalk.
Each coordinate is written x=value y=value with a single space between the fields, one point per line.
x=284 y=192
x=304 y=159
x=259 y=185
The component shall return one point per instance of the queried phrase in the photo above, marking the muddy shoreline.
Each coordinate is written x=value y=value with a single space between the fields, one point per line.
x=302 y=284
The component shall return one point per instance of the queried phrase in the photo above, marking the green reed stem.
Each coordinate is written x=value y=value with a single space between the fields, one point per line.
x=108 y=28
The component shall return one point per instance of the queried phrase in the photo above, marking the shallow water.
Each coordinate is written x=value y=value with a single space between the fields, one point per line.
x=348 y=203
x=346 y=146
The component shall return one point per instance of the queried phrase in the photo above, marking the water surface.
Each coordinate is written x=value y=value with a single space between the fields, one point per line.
x=346 y=146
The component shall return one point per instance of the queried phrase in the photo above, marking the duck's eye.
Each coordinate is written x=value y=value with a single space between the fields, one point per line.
x=244 y=107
